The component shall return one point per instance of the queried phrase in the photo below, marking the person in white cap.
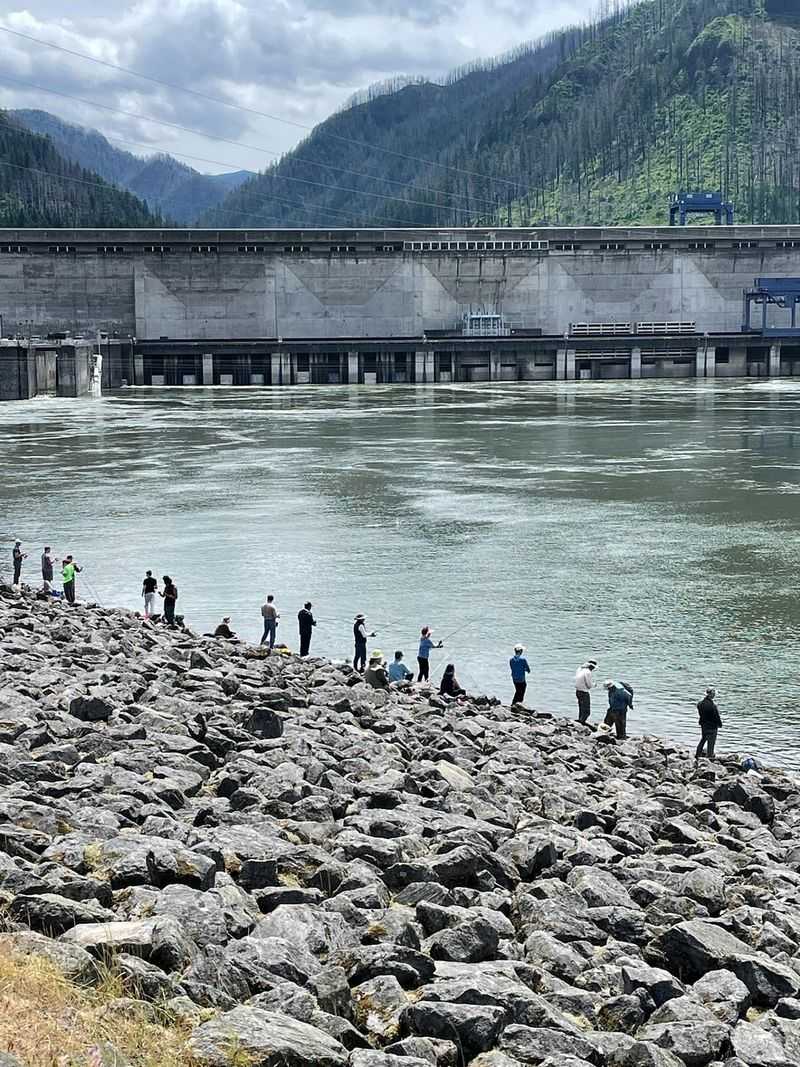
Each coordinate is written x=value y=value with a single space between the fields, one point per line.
x=584 y=681
x=360 y=636
x=18 y=556
x=519 y=671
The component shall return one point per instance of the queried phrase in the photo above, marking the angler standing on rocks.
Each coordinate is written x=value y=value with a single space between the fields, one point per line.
x=584 y=681
x=710 y=722
x=519 y=671
x=18 y=556
x=68 y=571
x=47 y=570
x=423 y=655
x=149 y=587
x=306 y=623
x=269 y=613
x=360 y=636
x=620 y=698
x=170 y=596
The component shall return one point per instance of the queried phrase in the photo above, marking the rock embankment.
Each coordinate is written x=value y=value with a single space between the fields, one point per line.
x=310 y=872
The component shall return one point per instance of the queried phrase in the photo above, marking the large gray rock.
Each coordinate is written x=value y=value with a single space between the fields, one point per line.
x=660 y=985
x=535 y=1044
x=264 y=1039
x=160 y=941
x=696 y=1043
x=378 y=1006
x=474 y=1027
x=696 y=947
x=724 y=994
x=757 y=1047
x=52 y=914
x=74 y=962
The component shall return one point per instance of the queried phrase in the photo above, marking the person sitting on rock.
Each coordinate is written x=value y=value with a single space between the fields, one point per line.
x=224 y=630
x=398 y=672
x=449 y=685
x=376 y=674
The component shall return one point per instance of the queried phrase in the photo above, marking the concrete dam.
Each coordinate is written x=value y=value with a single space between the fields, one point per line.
x=261 y=307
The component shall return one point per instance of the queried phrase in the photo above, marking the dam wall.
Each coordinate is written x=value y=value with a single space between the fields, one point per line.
x=279 y=307
x=216 y=285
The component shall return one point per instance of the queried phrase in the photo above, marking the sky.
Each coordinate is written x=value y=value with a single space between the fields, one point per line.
x=296 y=60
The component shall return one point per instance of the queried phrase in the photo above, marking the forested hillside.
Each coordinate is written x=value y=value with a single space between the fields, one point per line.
x=594 y=125
x=175 y=190
x=38 y=187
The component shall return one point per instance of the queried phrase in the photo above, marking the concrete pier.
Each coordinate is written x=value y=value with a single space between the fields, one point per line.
x=774 y=360
x=31 y=368
x=636 y=362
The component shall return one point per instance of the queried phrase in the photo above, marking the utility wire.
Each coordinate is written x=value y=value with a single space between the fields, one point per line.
x=302 y=159
x=253 y=111
x=221 y=163
x=110 y=185
x=228 y=140
x=109 y=188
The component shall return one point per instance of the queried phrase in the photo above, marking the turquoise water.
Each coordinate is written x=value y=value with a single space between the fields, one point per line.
x=651 y=525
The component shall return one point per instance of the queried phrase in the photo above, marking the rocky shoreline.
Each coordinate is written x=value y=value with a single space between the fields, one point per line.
x=306 y=871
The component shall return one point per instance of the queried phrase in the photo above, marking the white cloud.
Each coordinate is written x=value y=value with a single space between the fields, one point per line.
x=297 y=59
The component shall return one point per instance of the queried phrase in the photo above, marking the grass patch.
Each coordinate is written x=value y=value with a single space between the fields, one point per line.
x=47 y=1021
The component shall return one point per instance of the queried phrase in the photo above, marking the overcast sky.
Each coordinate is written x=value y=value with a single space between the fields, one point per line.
x=295 y=59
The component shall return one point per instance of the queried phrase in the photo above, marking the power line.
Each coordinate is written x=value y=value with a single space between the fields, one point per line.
x=253 y=111
x=220 y=163
x=227 y=140
x=107 y=187
x=303 y=159
x=291 y=203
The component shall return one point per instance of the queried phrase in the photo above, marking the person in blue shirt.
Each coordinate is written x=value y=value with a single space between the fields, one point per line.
x=620 y=698
x=519 y=671
x=423 y=656
x=398 y=672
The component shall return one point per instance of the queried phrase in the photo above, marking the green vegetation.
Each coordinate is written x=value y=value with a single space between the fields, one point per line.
x=38 y=187
x=596 y=125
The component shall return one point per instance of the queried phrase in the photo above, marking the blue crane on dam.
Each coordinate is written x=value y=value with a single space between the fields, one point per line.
x=699 y=203
x=783 y=293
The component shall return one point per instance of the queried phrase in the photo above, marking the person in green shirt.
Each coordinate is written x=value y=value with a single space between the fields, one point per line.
x=69 y=569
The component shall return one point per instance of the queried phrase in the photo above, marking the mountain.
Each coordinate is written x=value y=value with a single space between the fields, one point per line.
x=597 y=124
x=177 y=191
x=38 y=187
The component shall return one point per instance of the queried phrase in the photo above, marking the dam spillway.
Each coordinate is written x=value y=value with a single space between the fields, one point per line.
x=253 y=307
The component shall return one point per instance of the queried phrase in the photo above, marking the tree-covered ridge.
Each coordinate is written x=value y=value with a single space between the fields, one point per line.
x=598 y=124
x=165 y=184
x=38 y=187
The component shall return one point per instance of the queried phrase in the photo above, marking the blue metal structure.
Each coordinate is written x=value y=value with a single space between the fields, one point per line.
x=779 y=292
x=684 y=204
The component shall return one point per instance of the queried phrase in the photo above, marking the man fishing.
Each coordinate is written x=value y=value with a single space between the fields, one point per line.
x=68 y=571
x=17 y=557
x=305 y=623
x=360 y=637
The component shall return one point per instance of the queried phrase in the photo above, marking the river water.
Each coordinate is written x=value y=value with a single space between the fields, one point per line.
x=651 y=525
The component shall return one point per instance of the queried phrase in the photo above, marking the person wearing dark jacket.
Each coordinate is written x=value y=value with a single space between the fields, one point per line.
x=710 y=722
x=306 y=623
x=620 y=698
x=170 y=598
x=360 y=636
x=449 y=687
